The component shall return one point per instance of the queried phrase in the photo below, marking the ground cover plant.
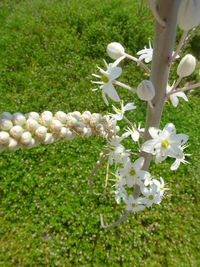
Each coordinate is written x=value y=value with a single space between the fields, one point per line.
x=48 y=52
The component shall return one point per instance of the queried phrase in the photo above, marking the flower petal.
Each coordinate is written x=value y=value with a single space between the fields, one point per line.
x=129 y=106
x=110 y=90
x=154 y=132
x=149 y=145
x=174 y=100
x=169 y=127
x=137 y=165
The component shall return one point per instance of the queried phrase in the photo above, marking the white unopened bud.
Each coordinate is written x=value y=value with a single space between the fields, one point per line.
x=19 y=119
x=70 y=135
x=87 y=132
x=4 y=138
x=32 y=144
x=56 y=126
x=41 y=132
x=26 y=139
x=49 y=139
x=6 y=115
x=5 y=124
x=13 y=144
x=16 y=131
x=63 y=132
x=146 y=90
x=46 y=118
x=72 y=121
x=76 y=114
x=189 y=14
x=61 y=116
x=34 y=115
x=115 y=50
x=32 y=125
x=186 y=66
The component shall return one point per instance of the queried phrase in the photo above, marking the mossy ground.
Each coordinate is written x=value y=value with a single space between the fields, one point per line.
x=48 y=50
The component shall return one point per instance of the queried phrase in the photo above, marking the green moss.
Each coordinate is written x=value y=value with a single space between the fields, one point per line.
x=48 y=50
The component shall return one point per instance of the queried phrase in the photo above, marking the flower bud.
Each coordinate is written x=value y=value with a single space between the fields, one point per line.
x=72 y=121
x=26 y=139
x=70 y=135
x=76 y=114
x=49 y=139
x=32 y=125
x=13 y=144
x=46 y=118
x=186 y=66
x=4 y=138
x=6 y=115
x=146 y=90
x=18 y=119
x=41 y=132
x=16 y=131
x=56 y=126
x=5 y=124
x=115 y=50
x=34 y=115
x=61 y=116
x=189 y=14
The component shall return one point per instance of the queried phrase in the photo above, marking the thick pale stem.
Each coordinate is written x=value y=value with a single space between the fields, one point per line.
x=164 y=39
x=155 y=13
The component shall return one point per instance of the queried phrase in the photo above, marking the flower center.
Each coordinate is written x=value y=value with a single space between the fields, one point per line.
x=150 y=197
x=104 y=78
x=164 y=143
x=117 y=180
x=132 y=172
x=133 y=205
x=119 y=110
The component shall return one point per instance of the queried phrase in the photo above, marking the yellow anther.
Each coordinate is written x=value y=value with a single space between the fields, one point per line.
x=164 y=143
x=104 y=79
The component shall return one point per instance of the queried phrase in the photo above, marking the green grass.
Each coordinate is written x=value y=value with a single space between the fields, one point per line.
x=48 y=50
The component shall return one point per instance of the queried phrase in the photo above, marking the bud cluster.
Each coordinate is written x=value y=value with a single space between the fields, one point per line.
x=31 y=129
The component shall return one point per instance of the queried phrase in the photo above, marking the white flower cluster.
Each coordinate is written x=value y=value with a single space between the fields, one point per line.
x=30 y=130
x=128 y=175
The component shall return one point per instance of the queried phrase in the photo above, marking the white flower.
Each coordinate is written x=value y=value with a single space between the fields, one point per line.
x=119 y=180
x=147 y=54
x=120 y=193
x=115 y=50
x=177 y=162
x=132 y=204
x=174 y=97
x=165 y=143
x=120 y=112
x=133 y=172
x=186 y=66
x=106 y=85
x=160 y=186
x=152 y=195
x=117 y=152
x=135 y=132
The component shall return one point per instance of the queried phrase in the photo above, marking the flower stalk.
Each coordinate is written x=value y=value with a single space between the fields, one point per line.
x=164 y=39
